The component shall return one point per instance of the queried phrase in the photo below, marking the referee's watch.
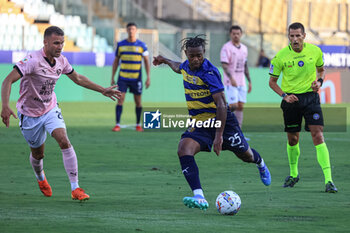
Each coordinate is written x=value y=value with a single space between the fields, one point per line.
x=320 y=80
x=283 y=95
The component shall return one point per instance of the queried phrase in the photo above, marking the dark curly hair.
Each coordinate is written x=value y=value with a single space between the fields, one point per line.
x=192 y=42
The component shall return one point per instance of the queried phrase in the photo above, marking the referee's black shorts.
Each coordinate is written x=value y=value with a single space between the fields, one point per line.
x=308 y=107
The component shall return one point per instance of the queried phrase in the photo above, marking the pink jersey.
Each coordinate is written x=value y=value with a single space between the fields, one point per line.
x=38 y=81
x=235 y=57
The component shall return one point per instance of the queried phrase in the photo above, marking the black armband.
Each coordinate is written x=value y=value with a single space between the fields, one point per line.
x=320 y=80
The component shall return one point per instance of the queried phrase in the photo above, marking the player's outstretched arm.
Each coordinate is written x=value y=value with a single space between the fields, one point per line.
x=221 y=114
x=6 y=111
x=175 y=66
x=83 y=81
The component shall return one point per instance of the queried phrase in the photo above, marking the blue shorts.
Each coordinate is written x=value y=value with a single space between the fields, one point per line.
x=135 y=87
x=233 y=138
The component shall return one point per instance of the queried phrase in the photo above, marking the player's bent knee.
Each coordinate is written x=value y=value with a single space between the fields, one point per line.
x=37 y=153
x=181 y=152
x=233 y=107
x=318 y=139
x=188 y=146
x=317 y=134
x=64 y=143
x=293 y=141
x=239 y=108
x=120 y=101
x=246 y=157
x=38 y=156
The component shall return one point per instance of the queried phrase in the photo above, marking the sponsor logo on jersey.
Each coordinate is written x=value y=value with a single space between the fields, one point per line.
x=23 y=61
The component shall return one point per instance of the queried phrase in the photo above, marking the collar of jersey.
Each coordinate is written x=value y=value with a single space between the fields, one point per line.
x=291 y=49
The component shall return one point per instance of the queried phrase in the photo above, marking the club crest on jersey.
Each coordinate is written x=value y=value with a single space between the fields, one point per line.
x=58 y=71
x=301 y=63
x=194 y=80
x=191 y=79
x=23 y=61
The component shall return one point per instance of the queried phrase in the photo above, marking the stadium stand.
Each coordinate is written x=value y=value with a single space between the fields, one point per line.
x=326 y=21
x=22 y=24
x=323 y=15
x=100 y=26
x=23 y=21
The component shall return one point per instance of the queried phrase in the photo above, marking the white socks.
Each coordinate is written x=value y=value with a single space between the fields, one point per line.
x=261 y=164
x=198 y=192
x=74 y=185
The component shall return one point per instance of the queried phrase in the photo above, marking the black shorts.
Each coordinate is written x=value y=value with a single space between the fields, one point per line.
x=134 y=87
x=308 y=107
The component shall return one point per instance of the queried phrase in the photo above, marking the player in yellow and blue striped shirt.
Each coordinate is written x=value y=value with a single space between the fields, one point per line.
x=129 y=54
x=206 y=102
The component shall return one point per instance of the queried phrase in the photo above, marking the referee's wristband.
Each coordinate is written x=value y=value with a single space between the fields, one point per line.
x=320 y=80
x=283 y=95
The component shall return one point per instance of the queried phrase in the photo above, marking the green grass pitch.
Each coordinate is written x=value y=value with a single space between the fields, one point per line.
x=135 y=182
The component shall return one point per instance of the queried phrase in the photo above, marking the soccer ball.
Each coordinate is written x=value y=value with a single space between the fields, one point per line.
x=228 y=203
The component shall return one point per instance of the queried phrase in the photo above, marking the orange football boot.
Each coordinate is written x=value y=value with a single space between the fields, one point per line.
x=139 y=128
x=116 y=128
x=79 y=194
x=45 y=188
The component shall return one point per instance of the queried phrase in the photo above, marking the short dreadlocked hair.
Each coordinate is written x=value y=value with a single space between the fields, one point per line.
x=192 y=42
